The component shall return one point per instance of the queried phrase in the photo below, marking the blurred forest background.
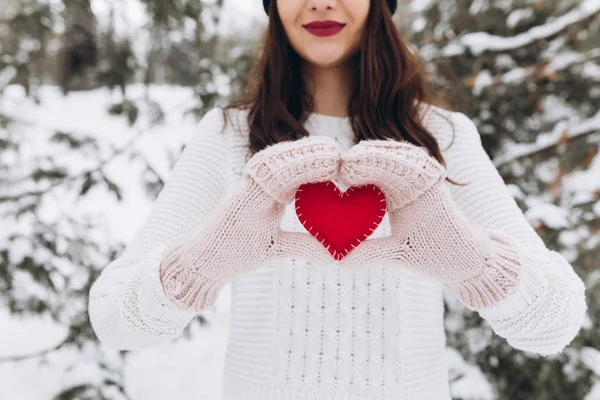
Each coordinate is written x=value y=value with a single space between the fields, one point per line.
x=98 y=98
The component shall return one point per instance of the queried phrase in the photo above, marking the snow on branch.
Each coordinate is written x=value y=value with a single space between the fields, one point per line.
x=560 y=134
x=479 y=42
x=63 y=343
x=6 y=76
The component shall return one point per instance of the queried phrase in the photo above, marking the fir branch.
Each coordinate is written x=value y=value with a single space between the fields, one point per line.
x=37 y=354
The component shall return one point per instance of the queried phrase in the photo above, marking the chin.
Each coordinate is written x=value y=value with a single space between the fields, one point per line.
x=325 y=59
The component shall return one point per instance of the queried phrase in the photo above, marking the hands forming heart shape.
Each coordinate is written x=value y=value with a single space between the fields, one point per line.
x=428 y=230
x=382 y=175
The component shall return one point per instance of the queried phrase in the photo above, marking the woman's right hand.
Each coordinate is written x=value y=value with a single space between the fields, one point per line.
x=244 y=232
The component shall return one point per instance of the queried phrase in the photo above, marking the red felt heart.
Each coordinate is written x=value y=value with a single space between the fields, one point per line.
x=340 y=220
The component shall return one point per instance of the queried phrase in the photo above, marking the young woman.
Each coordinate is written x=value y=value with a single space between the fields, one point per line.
x=336 y=296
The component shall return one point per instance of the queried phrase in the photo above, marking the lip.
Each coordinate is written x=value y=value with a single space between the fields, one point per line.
x=324 y=28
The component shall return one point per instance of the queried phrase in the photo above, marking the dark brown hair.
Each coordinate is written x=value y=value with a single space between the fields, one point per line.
x=383 y=104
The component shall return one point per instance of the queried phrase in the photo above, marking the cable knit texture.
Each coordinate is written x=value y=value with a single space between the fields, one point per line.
x=306 y=329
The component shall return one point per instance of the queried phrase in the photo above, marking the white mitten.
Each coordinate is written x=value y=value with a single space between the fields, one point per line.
x=244 y=232
x=430 y=233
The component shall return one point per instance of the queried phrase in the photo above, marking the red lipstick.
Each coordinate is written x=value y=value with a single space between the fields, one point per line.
x=324 y=28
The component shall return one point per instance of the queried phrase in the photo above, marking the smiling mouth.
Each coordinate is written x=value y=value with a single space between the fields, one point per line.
x=326 y=29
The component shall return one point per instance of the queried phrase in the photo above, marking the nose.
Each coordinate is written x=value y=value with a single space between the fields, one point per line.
x=322 y=4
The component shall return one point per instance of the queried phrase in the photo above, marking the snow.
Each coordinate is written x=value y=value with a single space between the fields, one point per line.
x=184 y=369
x=479 y=42
x=9 y=10
x=6 y=75
x=594 y=394
x=590 y=357
x=472 y=384
x=551 y=215
x=21 y=336
x=518 y=15
x=561 y=61
x=571 y=238
x=571 y=129
x=236 y=18
x=189 y=368
x=515 y=76
x=584 y=183
x=418 y=24
x=418 y=6
x=591 y=70
x=477 y=7
x=483 y=80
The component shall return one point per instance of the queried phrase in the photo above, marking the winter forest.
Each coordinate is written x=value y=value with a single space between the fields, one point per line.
x=99 y=97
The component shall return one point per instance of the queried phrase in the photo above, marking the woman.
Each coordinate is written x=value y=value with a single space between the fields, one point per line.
x=336 y=296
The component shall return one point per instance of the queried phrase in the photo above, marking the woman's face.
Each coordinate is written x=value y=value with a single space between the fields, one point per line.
x=324 y=51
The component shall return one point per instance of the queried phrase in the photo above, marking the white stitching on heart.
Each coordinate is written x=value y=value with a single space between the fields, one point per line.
x=346 y=250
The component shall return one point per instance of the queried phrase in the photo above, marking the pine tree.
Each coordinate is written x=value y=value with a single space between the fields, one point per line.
x=48 y=261
x=528 y=74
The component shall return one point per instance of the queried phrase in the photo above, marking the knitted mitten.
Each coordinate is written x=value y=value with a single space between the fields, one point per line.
x=244 y=231
x=429 y=231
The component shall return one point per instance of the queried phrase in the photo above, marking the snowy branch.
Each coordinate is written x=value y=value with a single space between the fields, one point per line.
x=40 y=353
x=559 y=63
x=6 y=76
x=80 y=175
x=480 y=42
x=548 y=141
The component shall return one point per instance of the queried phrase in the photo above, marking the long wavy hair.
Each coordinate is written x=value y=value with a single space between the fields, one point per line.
x=383 y=104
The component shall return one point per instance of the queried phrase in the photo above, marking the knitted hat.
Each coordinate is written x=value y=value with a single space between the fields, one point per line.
x=392 y=4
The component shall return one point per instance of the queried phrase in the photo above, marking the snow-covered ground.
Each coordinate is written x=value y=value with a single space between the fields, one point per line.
x=184 y=369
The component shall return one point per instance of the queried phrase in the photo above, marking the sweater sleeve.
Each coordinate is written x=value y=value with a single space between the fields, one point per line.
x=547 y=309
x=128 y=307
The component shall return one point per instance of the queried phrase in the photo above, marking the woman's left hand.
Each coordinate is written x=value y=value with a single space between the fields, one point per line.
x=428 y=230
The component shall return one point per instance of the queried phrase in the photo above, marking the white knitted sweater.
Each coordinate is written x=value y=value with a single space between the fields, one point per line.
x=305 y=331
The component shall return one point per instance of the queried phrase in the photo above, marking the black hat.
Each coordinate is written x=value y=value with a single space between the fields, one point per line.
x=391 y=3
